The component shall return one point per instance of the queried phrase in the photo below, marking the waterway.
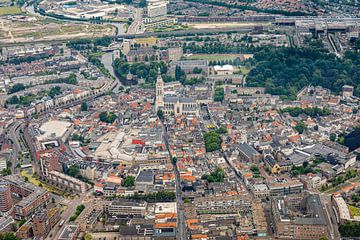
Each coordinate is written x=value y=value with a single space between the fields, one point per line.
x=107 y=59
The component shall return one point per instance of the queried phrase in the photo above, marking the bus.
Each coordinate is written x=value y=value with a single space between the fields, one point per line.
x=61 y=223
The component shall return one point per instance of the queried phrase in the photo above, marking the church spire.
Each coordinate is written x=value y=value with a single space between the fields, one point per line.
x=159 y=101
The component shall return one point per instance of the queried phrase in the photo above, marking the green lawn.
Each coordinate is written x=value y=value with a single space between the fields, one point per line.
x=245 y=70
x=167 y=28
x=35 y=181
x=13 y=10
x=213 y=57
x=354 y=211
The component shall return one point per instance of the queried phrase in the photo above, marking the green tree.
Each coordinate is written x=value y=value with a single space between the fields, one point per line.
x=13 y=100
x=74 y=170
x=177 y=73
x=217 y=176
x=305 y=164
x=84 y=106
x=300 y=127
x=88 y=236
x=103 y=41
x=332 y=137
x=8 y=236
x=350 y=229
x=22 y=222
x=129 y=181
x=212 y=141
x=16 y=88
x=221 y=130
x=160 y=114
x=54 y=91
x=108 y=117
x=219 y=94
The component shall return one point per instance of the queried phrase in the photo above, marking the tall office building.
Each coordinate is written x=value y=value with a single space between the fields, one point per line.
x=156 y=10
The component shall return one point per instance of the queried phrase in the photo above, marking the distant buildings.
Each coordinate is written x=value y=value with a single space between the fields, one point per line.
x=70 y=232
x=299 y=218
x=156 y=10
x=282 y=186
x=125 y=208
x=348 y=91
x=44 y=221
x=188 y=66
x=32 y=197
x=67 y=182
x=54 y=130
x=248 y=154
x=33 y=50
x=174 y=105
x=277 y=167
x=156 y=14
x=222 y=204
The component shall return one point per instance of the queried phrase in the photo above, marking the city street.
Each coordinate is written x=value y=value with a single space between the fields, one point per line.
x=56 y=231
x=135 y=26
x=181 y=226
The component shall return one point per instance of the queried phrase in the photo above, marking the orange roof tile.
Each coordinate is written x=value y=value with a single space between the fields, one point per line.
x=165 y=215
x=165 y=225
x=199 y=236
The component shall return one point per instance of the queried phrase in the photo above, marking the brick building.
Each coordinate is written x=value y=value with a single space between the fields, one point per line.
x=299 y=217
x=5 y=197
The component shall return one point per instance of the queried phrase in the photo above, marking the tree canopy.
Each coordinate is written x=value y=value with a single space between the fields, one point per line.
x=217 y=176
x=107 y=117
x=84 y=106
x=143 y=70
x=284 y=71
x=212 y=141
x=312 y=112
x=8 y=236
x=350 y=229
x=129 y=181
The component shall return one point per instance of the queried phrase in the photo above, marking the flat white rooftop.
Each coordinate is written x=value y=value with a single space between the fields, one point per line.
x=53 y=129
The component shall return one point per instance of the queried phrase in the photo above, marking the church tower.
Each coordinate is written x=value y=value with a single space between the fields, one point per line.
x=159 y=102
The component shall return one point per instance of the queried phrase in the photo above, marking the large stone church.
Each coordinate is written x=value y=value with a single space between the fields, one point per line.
x=174 y=105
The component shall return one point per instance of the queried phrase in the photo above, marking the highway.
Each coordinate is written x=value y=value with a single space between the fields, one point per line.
x=135 y=26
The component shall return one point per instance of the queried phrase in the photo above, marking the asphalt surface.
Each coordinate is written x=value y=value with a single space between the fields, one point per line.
x=71 y=207
x=134 y=28
x=181 y=225
x=13 y=134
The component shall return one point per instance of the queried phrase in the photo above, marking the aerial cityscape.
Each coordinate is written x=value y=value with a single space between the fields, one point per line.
x=179 y=119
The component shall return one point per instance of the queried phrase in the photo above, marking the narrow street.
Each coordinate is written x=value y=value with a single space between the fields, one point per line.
x=181 y=229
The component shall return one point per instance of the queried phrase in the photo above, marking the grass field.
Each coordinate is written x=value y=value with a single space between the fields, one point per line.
x=9 y=10
x=149 y=40
x=33 y=180
x=225 y=25
x=213 y=57
x=245 y=70
x=354 y=211
x=168 y=28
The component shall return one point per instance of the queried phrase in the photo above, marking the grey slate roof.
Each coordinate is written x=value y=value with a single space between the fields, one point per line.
x=248 y=150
